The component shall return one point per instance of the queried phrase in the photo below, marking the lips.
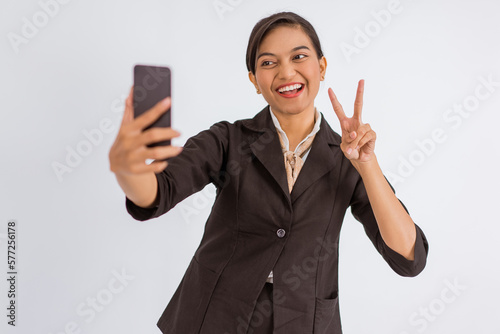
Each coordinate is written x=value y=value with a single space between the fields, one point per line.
x=289 y=90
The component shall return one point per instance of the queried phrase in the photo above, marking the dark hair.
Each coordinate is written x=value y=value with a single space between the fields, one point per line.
x=264 y=26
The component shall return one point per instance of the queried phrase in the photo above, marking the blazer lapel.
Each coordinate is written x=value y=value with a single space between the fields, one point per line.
x=322 y=159
x=267 y=149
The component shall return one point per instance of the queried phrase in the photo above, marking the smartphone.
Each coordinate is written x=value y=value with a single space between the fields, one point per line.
x=151 y=85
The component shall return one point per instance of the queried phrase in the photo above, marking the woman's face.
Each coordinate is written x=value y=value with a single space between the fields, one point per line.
x=288 y=71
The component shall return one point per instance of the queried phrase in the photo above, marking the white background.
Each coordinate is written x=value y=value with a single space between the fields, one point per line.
x=74 y=234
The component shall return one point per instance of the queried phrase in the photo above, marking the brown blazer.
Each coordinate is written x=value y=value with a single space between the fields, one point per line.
x=256 y=226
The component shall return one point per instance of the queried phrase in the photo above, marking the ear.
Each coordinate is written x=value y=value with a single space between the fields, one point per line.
x=322 y=67
x=253 y=79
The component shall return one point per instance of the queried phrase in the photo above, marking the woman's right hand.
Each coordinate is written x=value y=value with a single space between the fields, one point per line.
x=129 y=152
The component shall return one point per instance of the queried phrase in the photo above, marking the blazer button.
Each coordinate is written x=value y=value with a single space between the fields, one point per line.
x=280 y=233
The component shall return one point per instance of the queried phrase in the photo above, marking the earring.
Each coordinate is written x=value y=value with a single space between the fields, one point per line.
x=258 y=91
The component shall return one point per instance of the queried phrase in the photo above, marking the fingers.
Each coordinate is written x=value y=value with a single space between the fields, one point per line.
x=134 y=162
x=358 y=136
x=358 y=139
x=152 y=114
x=349 y=137
x=350 y=144
x=161 y=152
x=337 y=107
x=155 y=135
x=358 y=103
x=136 y=150
x=129 y=152
x=158 y=153
x=158 y=166
x=155 y=167
x=370 y=136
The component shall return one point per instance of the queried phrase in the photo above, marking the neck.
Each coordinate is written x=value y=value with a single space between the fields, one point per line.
x=296 y=126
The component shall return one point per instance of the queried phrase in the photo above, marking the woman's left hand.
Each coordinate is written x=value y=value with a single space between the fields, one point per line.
x=358 y=139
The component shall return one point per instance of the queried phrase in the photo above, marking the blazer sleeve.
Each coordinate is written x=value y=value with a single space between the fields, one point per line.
x=198 y=164
x=362 y=211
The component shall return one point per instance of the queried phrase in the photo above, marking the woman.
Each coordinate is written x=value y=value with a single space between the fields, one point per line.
x=268 y=260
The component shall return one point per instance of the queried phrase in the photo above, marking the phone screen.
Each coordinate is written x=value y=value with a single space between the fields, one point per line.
x=151 y=85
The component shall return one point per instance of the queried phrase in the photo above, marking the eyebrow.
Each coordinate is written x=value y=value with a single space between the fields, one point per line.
x=293 y=50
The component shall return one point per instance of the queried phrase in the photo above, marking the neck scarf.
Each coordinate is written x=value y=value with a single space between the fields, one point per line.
x=293 y=160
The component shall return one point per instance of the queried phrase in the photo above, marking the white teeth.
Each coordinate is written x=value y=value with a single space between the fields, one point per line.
x=289 y=88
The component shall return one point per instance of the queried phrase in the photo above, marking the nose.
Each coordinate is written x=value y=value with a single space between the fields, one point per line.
x=286 y=71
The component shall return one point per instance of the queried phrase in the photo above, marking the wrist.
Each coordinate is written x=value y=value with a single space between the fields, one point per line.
x=364 y=167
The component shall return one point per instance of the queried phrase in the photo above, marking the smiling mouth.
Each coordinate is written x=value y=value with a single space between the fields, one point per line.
x=290 y=90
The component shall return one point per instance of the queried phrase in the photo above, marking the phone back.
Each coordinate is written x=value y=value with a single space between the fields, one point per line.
x=151 y=85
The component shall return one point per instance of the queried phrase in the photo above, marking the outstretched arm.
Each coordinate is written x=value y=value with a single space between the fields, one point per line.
x=129 y=152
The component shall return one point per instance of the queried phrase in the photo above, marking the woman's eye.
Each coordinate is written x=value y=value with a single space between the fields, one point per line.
x=267 y=63
x=301 y=56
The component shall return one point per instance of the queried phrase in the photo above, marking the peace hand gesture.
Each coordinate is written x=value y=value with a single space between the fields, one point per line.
x=358 y=139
